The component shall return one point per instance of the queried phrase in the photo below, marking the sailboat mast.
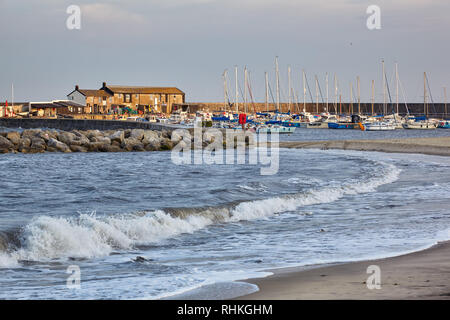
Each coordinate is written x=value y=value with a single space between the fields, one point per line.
x=335 y=94
x=304 y=91
x=289 y=86
x=373 y=95
x=317 y=94
x=245 y=89
x=445 y=102
x=425 y=107
x=236 y=91
x=224 y=90
x=351 y=99
x=326 y=80
x=396 y=85
x=267 y=91
x=384 y=90
x=277 y=83
x=359 y=95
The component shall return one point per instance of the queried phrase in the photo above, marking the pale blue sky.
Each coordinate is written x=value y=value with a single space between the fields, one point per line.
x=189 y=43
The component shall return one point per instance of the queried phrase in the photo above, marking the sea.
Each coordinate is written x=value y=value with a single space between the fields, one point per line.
x=138 y=226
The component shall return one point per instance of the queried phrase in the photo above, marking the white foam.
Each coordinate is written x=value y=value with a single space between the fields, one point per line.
x=268 y=207
x=89 y=236
x=8 y=261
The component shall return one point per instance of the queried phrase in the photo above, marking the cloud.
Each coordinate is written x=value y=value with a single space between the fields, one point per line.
x=108 y=15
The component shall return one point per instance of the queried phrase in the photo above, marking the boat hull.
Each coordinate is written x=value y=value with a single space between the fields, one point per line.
x=420 y=126
x=276 y=130
x=379 y=127
x=334 y=125
x=320 y=125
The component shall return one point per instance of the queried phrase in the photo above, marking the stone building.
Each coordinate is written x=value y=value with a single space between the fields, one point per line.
x=95 y=101
x=114 y=98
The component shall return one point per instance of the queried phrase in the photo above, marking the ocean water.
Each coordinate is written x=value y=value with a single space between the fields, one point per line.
x=140 y=227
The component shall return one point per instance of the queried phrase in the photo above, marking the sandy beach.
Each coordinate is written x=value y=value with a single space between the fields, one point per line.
x=432 y=146
x=419 y=275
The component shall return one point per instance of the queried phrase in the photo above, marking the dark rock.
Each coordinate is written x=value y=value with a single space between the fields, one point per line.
x=5 y=145
x=14 y=137
x=77 y=148
x=37 y=145
x=24 y=143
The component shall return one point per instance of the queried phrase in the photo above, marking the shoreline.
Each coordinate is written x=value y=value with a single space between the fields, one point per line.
x=422 y=274
x=418 y=275
x=439 y=146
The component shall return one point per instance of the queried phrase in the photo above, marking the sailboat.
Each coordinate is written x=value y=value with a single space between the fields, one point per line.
x=384 y=125
x=422 y=124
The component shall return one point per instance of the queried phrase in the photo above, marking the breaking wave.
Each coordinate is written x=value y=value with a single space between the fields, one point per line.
x=91 y=236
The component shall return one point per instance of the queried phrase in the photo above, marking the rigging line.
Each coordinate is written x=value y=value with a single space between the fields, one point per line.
x=250 y=91
x=309 y=90
x=271 y=94
x=404 y=96
x=431 y=96
x=320 y=91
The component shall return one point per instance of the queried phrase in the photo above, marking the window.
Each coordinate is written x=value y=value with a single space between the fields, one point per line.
x=137 y=96
x=127 y=97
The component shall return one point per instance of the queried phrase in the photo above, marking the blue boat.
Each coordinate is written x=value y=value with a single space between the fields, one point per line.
x=444 y=124
x=337 y=125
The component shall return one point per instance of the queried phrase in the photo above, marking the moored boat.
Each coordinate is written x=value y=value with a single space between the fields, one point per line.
x=444 y=124
x=341 y=125
x=379 y=126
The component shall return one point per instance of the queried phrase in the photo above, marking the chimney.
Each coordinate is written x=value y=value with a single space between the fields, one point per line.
x=104 y=84
x=77 y=87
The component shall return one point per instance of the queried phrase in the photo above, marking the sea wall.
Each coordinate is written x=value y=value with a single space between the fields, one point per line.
x=82 y=124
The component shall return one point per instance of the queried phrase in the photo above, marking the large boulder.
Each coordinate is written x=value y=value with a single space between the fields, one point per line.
x=151 y=140
x=93 y=133
x=5 y=145
x=58 y=145
x=166 y=144
x=37 y=145
x=76 y=148
x=137 y=134
x=113 y=148
x=97 y=146
x=31 y=133
x=24 y=144
x=80 y=139
x=66 y=137
x=14 y=137
x=130 y=144
x=117 y=136
x=104 y=140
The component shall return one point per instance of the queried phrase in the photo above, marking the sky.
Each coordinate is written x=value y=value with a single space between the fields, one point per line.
x=189 y=43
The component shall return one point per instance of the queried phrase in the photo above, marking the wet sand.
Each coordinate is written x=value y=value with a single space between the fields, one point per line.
x=420 y=275
x=432 y=146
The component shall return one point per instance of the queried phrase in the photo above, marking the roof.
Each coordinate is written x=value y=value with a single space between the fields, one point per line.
x=154 y=90
x=93 y=93
x=54 y=104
